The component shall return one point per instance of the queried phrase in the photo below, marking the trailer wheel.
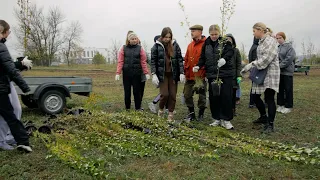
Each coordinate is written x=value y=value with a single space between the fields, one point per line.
x=52 y=102
x=29 y=102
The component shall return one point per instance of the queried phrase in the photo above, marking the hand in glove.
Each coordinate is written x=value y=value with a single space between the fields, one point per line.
x=147 y=76
x=246 y=68
x=26 y=62
x=26 y=93
x=182 y=78
x=221 y=62
x=117 y=78
x=155 y=80
x=239 y=79
x=195 y=69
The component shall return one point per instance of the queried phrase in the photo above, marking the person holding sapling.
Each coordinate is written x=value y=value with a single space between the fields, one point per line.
x=216 y=58
x=287 y=56
x=195 y=81
x=236 y=59
x=167 y=70
x=132 y=61
x=265 y=74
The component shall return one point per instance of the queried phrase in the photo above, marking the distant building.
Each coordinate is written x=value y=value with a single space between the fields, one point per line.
x=86 y=54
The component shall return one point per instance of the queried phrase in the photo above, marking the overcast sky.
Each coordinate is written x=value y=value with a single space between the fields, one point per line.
x=103 y=20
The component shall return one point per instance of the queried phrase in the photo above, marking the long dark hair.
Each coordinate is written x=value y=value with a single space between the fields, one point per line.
x=168 y=46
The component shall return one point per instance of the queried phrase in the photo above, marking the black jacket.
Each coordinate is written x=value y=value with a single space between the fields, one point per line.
x=8 y=71
x=236 y=58
x=158 y=62
x=210 y=56
x=253 y=51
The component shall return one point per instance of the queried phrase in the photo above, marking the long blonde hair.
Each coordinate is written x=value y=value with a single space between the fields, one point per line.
x=262 y=27
x=127 y=40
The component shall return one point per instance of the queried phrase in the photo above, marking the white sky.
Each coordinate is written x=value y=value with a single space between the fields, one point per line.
x=103 y=20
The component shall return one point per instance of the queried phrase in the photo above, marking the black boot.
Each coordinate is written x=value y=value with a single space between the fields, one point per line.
x=201 y=114
x=191 y=116
x=268 y=128
x=261 y=120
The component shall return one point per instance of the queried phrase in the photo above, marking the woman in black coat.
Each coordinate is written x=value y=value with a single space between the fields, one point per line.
x=167 y=70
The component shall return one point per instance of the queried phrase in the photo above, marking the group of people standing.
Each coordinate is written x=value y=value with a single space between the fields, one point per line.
x=214 y=61
x=213 y=64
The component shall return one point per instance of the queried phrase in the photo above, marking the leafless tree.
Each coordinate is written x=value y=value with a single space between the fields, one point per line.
x=291 y=41
x=44 y=33
x=243 y=52
x=72 y=37
x=310 y=49
x=55 y=18
x=145 y=46
x=114 y=49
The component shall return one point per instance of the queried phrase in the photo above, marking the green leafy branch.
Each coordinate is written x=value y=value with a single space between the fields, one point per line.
x=186 y=21
x=227 y=10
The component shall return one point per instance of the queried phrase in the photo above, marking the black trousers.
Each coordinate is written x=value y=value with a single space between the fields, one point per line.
x=143 y=85
x=234 y=98
x=135 y=83
x=251 y=102
x=269 y=98
x=285 y=95
x=221 y=106
x=16 y=127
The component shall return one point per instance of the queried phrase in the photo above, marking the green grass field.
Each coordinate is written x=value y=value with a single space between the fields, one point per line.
x=97 y=146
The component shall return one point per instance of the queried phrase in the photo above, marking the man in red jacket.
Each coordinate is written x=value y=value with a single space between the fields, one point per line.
x=192 y=84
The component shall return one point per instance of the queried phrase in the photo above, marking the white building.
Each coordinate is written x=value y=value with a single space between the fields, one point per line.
x=85 y=55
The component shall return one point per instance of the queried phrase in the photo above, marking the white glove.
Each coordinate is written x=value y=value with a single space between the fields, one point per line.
x=182 y=78
x=246 y=68
x=221 y=62
x=147 y=76
x=27 y=93
x=195 y=69
x=117 y=78
x=155 y=80
x=26 y=62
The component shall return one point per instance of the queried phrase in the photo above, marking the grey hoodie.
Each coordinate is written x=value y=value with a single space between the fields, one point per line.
x=287 y=55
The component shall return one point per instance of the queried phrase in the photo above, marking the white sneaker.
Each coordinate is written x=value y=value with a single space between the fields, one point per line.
x=280 y=108
x=286 y=110
x=227 y=125
x=153 y=107
x=215 y=123
x=24 y=148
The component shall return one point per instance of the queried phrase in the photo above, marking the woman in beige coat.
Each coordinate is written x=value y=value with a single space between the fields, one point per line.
x=267 y=58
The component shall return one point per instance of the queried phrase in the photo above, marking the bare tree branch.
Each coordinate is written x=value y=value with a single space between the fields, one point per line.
x=72 y=37
x=114 y=49
x=44 y=33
